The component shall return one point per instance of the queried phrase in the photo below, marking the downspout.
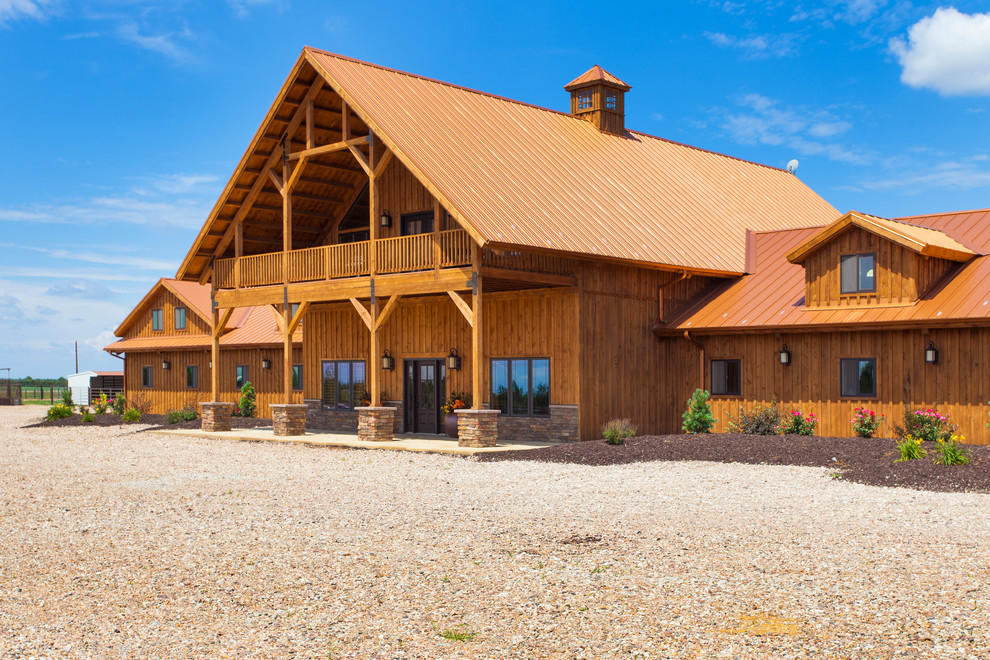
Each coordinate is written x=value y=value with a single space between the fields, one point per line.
x=660 y=297
x=701 y=358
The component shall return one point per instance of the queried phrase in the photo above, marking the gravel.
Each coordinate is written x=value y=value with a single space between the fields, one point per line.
x=117 y=543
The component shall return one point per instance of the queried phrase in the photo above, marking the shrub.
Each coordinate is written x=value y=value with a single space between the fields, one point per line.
x=132 y=415
x=910 y=448
x=59 y=411
x=928 y=425
x=102 y=405
x=246 y=404
x=798 y=424
x=761 y=420
x=173 y=417
x=67 y=397
x=948 y=452
x=698 y=417
x=866 y=422
x=87 y=416
x=119 y=404
x=184 y=415
x=616 y=431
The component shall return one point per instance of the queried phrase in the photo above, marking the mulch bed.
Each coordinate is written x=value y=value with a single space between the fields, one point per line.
x=156 y=421
x=866 y=461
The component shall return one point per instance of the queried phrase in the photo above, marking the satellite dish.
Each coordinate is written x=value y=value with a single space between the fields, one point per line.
x=792 y=165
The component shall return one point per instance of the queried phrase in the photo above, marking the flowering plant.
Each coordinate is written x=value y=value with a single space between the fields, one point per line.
x=909 y=449
x=949 y=452
x=928 y=424
x=799 y=424
x=866 y=422
x=456 y=401
x=102 y=405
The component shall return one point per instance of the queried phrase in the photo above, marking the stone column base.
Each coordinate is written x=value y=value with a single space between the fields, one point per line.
x=216 y=415
x=376 y=424
x=477 y=428
x=289 y=418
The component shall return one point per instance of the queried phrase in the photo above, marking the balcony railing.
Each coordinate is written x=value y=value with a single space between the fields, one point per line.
x=402 y=254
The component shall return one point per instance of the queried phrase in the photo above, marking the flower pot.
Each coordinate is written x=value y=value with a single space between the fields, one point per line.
x=450 y=425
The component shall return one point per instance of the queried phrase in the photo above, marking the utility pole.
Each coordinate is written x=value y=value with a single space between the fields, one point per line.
x=77 y=357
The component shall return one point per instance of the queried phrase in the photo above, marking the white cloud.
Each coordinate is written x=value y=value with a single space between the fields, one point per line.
x=167 y=43
x=13 y=10
x=242 y=8
x=756 y=46
x=948 y=52
x=763 y=120
x=963 y=174
x=81 y=289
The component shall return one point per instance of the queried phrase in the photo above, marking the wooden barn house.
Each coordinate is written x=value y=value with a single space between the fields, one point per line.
x=438 y=239
x=166 y=344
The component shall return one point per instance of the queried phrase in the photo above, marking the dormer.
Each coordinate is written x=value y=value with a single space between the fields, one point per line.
x=862 y=260
x=598 y=96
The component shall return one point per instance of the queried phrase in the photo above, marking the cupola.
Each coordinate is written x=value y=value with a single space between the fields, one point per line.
x=597 y=95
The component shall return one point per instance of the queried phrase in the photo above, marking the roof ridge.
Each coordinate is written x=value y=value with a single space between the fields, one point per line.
x=933 y=215
x=530 y=105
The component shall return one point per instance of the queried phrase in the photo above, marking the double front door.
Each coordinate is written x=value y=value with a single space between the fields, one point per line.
x=425 y=391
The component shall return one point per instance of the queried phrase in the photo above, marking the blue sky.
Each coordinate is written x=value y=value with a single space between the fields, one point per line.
x=121 y=120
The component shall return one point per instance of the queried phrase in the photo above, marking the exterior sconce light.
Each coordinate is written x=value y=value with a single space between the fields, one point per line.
x=386 y=219
x=388 y=362
x=266 y=363
x=165 y=365
x=453 y=361
x=785 y=355
x=931 y=354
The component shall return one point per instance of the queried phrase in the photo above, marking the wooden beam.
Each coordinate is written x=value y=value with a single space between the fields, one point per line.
x=298 y=317
x=373 y=364
x=279 y=319
x=277 y=180
x=294 y=177
x=221 y=321
x=477 y=334
x=287 y=355
x=345 y=124
x=362 y=312
x=387 y=311
x=329 y=148
x=463 y=306
x=383 y=163
x=310 y=128
x=362 y=161
x=317 y=198
x=238 y=253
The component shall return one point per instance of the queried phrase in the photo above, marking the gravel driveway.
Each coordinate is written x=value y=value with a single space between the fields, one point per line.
x=116 y=543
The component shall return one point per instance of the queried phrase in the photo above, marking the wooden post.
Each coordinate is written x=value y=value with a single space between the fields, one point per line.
x=477 y=332
x=215 y=351
x=286 y=215
x=238 y=253
x=436 y=240
x=287 y=350
x=374 y=363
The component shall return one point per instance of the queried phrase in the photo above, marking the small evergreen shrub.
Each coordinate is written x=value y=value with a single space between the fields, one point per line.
x=132 y=415
x=59 y=411
x=246 y=404
x=67 y=397
x=910 y=448
x=761 y=420
x=184 y=415
x=865 y=422
x=799 y=424
x=616 y=431
x=698 y=417
x=948 y=452
x=928 y=425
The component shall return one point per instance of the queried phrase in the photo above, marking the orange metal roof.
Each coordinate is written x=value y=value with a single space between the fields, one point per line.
x=518 y=174
x=772 y=296
x=924 y=240
x=593 y=75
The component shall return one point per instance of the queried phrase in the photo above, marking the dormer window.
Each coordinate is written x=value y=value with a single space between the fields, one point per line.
x=584 y=101
x=858 y=273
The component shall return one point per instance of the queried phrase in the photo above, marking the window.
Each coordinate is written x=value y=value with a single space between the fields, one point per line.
x=858 y=273
x=297 y=376
x=192 y=376
x=521 y=386
x=584 y=100
x=858 y=376
x=416 y=223
x=147 y=376
x=610 y=101
x=343 y=384
x=240 y=376
x=180 y=318
x=156 y=319
x=726 y=377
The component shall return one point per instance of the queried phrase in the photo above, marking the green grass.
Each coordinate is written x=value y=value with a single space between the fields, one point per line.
x=458 y=633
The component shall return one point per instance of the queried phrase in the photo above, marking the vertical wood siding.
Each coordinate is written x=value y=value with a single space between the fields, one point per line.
x=167 y=302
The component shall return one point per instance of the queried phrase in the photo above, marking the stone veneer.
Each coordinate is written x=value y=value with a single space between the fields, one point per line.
x=344 y=421
x=560 y=426
x=216 y=415
x=289 y=418
x=376 y=424
x=477 y=428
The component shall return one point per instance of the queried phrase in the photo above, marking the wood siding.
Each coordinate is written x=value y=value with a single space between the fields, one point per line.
x=167 y=302
x=539 y=323
x=901 y=275
x=170 y=392
x=957 y=385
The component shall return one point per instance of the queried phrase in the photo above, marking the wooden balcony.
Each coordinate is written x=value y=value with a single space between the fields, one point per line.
x=344 y=265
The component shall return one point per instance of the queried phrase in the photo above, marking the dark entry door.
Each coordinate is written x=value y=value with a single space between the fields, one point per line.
x=426 y=388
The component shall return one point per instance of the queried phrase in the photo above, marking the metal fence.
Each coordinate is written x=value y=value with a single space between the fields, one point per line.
x=10 y=393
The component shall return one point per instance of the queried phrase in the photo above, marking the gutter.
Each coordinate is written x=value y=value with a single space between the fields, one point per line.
x=660 y=297
x=701 y=358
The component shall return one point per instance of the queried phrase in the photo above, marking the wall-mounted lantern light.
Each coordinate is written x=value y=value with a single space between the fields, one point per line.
x=266 y=363
x=165 y=365
x=453 y=361
x=211 y=364
x=931 y=354
x=388 y=362
x=386 y=219
x=785 y=355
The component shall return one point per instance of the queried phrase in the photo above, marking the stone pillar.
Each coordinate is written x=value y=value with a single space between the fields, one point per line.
x=477 y=428
x=216 y=415
x=289 y=418
x=376 y=424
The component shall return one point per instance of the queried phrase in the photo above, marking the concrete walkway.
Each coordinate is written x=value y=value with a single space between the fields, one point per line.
x=425 y=443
